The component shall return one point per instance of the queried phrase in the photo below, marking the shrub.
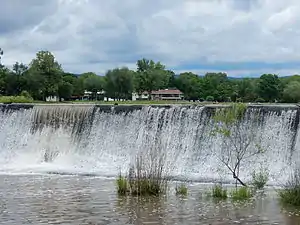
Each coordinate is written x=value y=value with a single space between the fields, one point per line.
x=291 y=193
x=210 y=98
x=15 y=99
x=181 y=190
x=26 y=94
x=219 y=192
x=242 y=193
x=122 y=185
x=143 y=180
x=259 y=100
x=260 y=179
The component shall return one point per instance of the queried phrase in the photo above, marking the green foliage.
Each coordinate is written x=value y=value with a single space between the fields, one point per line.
x=48 y=72
x=15 y=99
x=181 y=190
x=269 y=87
x=150 y=76
x=122 y=185
x=290 y=194
x=26 y=94
x=44 y=77
x=229 y=116
x=218 y=192
x=143 y=180
x=190 y=85
x=260 y=100
x=65 y=90
x=291 y=92
x=210 y=98
x=241 y=194
x=260 y=179
x=119 y=83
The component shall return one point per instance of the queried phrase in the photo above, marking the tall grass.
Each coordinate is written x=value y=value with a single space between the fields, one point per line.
x=218 y=192
x=144 y=178
x=241 y=193
x=291 y=193
x=181 y=190
x=122 y=185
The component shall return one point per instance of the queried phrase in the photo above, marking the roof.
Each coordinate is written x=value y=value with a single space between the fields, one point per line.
x=167 y=91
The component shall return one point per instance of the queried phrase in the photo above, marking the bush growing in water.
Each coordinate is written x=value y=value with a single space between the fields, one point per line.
x=260 y=179
x=291 y=193
x=219 y=192
x=143 y=180
x=241 y=193
x=181 y=190
x=122 y=185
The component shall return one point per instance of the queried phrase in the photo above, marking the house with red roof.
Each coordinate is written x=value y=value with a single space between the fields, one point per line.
x=164 y=94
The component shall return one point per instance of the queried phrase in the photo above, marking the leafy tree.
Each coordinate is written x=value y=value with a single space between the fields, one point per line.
x=269 y=87
x=76 y=81
x=291 y=92
x=218 y=86
x=3 y=79
x=246 y=89
x=172 y=79
x=150 y=76
x=19 y=68
x=92 y=83
x=119 y=83
x=65 y=90
x=49 y=72
x=190 y=84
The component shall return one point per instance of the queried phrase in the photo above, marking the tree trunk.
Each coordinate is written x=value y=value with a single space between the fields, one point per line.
x=149 y=95
x=239 y=180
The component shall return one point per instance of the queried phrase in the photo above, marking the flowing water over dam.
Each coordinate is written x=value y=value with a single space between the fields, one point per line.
x=103 y=140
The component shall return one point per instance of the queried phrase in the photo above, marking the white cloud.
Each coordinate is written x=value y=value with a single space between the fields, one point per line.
x=96 y=35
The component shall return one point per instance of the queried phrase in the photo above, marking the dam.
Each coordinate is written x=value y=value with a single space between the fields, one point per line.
x=103 y=140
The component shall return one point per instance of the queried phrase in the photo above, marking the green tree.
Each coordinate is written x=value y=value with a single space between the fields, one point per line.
x=269 y=87
x=49 y=72
x=16 y=81
x=246 y=89
x=218 y=86
x=3 y=79
x=150 y=76
x=77 y=83
x=190 y=84
x=92 y=83
x=291 y=92
x=119 y=83
x=65 y=90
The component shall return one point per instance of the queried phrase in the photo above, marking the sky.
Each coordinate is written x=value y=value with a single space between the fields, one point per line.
x=243 y=38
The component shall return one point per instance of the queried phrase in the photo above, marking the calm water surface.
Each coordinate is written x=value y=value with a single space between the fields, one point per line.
x=86 y=200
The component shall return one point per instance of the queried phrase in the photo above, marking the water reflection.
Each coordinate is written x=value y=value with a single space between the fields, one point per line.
x=85 y=200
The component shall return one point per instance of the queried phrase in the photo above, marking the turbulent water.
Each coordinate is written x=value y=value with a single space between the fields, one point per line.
x=88 y=140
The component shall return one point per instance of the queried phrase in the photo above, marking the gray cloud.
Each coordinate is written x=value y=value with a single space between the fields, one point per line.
x=96 y=35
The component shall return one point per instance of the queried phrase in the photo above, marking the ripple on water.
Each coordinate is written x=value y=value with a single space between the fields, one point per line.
x=87 y=200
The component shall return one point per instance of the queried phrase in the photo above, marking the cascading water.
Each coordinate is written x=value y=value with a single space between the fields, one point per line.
x=87 y=139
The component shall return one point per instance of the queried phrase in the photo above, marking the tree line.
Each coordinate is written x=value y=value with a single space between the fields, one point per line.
x=44 y=77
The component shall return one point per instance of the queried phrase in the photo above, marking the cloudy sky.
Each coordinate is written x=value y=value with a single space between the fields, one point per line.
x=240 y=37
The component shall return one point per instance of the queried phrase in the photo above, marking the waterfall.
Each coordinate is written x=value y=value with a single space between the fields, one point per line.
x=91 y=139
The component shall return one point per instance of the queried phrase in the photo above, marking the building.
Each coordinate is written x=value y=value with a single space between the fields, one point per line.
x=165 y=94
